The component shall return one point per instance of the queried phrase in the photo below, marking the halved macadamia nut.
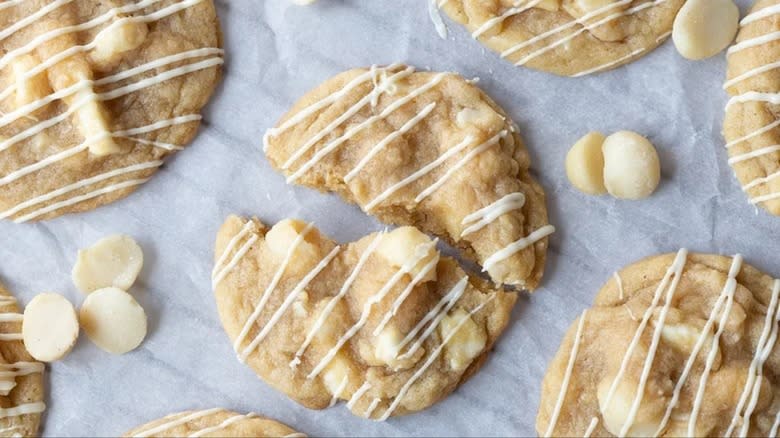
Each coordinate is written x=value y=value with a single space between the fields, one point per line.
x=704 y=28
x=113 y=320
x=50 y=327
x=114 y=261
x=585 y=164
x=632 y=169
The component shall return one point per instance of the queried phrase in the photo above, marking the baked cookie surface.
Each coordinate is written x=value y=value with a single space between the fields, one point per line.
x=95 y=95
x=752 y=123
x=675 y=345
x=21 y=377
x=424 y=149
x=213 y=423
x=567 y=37
x=384 y=323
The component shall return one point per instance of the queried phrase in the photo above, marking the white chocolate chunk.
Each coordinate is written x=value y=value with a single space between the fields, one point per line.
x=112 y=261
x=648 y=417
x=402 y=246
x=585 y=164
x=703 y=28
x=28 y=89
x=119 y=37
x=113 y=320
x=50 y=327
x=334 y=374
x=681 y=336
x=467 y=343
x=387 y=344
x=284 y=235
x=632 y=169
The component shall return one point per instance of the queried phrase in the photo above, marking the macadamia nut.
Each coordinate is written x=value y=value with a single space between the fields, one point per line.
x=703 y=28
x=49 y=327
x=585 y=164
x=632 y=169
x=113 y=320
x=114 y=261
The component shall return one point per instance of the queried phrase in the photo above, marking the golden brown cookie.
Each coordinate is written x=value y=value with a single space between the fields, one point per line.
x=675 y=345
x=21 y=378
x=213 y=423
x=424 y=149
x=384 y=323
x=566 y=37
x=94 y=95
x=751 y=125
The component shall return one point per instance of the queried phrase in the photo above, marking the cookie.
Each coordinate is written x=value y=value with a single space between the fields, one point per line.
x=751 y=125
x=675 y=345
x=385 y=323
x=566 y=37
x=425 y=149
x=213 y=423
x=21 y=378
x=94 y=95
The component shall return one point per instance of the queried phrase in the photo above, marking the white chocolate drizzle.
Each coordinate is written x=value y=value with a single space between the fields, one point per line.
x=432 y=358
x=358 y=394
x=486 y=215
x=729 y=289
x=372 y=407
x=517 y=246
x=405 y=294
x=174 y=421
x=675 y=270
x=335 y=300
x=566 y=376
x=619 y=283
x=340 y=390
x=775 y=425
x=705 y=332
x=82 y=91
x=223 y=425
x=292 y=296
x=516 y=9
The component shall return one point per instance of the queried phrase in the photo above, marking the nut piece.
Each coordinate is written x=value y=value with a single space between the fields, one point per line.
x=119 y=37
x=113 y=261
x=632 y=169
x=585 y=164
x=49 y=327
x=402 y=246
x=113 y=320
x=703 y=28
x=466 y=343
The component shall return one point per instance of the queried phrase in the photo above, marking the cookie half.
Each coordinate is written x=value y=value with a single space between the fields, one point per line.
x=213 y=423
x=21 y=377
x=95 y=95
x=424 y=149
x=752 y=123
x=385 y=323
x=566 y=37
x=675 y=345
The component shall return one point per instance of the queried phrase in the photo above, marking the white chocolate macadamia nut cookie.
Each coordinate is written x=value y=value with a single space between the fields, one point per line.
x=50 y=327
x=632 y=169
x=213 y=423
x=21 y=380
x=95 y=95
x=113 y=320
x=113 y=261
x=425 y=149
x=704 y=28
x=751 y=126
x=675 y=345
x=566 y=37
x=385 y=323
x=585 y=164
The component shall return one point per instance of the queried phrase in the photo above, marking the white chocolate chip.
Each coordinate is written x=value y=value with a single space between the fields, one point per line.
x=647 y=419
x=632 y=169
x=113 y=320
x=585 y=164
x=387 y=344
x=334 y=374
x=28 y=89
x=112 y=261
x=402 y=246
x=119 y=37
x=681 y=336
x=50 y=327
x=703 y=28
x=466 y=344
x=283 y=235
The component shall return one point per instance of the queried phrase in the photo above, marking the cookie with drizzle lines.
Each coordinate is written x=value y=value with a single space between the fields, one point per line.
x=21 y=377
x=679 y=344
x=94 y=95
x=425 y=149
x=752 y=123
x=566 y=37
x=385 y=323
x=213 y=423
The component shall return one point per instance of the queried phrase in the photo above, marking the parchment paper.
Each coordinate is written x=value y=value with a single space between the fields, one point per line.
x=277 y=51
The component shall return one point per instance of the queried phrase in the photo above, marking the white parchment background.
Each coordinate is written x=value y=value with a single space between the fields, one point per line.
x=277 y=51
